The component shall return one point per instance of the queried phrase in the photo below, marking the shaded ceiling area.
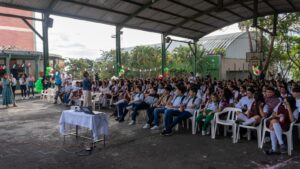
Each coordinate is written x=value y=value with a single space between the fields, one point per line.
x=191 y=19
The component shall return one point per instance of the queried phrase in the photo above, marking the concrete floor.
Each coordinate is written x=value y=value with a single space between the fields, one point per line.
x=29 y=138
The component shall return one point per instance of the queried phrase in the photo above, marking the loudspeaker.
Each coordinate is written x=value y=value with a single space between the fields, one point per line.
x=50 y=22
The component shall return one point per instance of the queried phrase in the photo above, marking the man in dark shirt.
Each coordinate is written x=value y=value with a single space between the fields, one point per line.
x=86 y=88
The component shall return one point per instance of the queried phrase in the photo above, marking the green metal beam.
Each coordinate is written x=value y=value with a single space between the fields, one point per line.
x=195 y=56
x=36 y=62
x=45 y=41
x=7 y=63
x=33 y=29
x=163 y=54
x=20 y=17
x=118 y=50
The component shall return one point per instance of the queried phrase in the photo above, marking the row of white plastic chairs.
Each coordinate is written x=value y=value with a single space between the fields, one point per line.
x=228 y=121
x=48 y=94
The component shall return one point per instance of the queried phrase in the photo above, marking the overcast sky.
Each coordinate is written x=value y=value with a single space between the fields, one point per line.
x=81 y=39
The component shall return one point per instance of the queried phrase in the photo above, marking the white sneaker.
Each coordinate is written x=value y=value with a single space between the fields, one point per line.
x=131 y=123
x=155 y=127
x=207 y=132
x=203 y=133
x=129 y=107
x=146 y=126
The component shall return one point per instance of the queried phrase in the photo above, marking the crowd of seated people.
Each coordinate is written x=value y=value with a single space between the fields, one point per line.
x=168 y=102
x=68 y=93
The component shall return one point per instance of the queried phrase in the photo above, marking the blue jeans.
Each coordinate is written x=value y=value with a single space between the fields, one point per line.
x=136 y=107
x=168 y=119
x=150 y=115
x=121 y=107
x=30 y=89
x=66 y=98
x=156 y=113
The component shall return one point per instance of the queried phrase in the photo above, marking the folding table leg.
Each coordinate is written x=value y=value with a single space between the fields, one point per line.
x=104 y=140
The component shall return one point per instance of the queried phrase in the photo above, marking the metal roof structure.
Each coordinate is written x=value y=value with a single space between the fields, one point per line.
x=191 y=19
x=219 y=41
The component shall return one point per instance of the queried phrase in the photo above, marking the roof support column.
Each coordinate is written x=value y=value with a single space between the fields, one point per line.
x=163 y=54
x=36 y=63
x=195 y=57
x=194 y=51
x=7 y=63
x=45 y=41
x=118 y=49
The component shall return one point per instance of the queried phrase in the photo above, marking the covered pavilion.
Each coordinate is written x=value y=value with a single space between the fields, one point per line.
x=191 y=19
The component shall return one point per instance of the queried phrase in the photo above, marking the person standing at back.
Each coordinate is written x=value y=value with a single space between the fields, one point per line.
x=23 y=86
x=8 y=97
x=13 y=84
x=86 y=87
x=30 y=83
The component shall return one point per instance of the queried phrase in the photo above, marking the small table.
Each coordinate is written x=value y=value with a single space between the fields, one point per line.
x=97 y=123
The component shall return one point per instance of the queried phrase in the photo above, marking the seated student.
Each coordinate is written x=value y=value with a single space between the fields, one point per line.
x=114 y=90
x=75 y=99
x=226 y=99
x=207 y=113
x=185 y=111
x=138 y=97
x=283 y=92
x=104 y=92
x=284 y=114
x=254 y=112
x=271 y=101
x=68 y=91
x=60 y=93
x=75 y=91
x=174 y=104
x=246 y=101
x=163 y=100
x=149 y=100
x=296 y=95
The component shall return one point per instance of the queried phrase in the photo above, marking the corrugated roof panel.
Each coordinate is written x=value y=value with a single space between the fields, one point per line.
x=126 y=7
x=219 y=41
x=114 y=12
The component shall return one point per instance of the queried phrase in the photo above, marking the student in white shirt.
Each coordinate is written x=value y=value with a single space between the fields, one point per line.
x=246 y=101
x=185 y=111
x=296 y=95
x=150 y=99
x=174 y=104
x=23 y=86
x=207 y=113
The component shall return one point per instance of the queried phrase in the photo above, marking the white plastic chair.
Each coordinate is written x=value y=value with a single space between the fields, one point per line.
x=51 y=95
x=230 y=113
x=288 y=134
x=249 y=128
x=96 y=100
x=194 y=124
x=44 y=95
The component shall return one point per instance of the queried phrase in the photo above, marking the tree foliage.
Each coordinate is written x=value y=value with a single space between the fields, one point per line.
x=280 y=51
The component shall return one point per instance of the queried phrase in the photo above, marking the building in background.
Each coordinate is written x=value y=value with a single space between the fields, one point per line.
x=18 y=45
x=231 y=64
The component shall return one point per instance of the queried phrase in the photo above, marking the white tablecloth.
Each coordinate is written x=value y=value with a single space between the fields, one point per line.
x=98 y=123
